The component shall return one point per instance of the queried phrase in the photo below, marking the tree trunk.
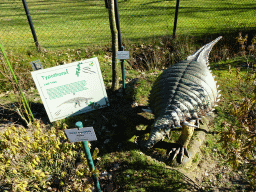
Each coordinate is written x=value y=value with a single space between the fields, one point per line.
x=114 y=34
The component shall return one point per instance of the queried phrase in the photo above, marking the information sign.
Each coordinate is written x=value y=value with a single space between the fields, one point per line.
x=122 y=55
x=83 y=134
x=71 y=89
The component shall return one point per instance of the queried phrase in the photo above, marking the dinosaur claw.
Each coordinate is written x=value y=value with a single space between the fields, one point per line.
x=186 y=152
x=170 y=152
x=176 y=153
x=179 y=160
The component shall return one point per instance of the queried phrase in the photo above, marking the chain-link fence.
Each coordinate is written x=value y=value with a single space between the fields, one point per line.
x=82 y=23
x=57 y=23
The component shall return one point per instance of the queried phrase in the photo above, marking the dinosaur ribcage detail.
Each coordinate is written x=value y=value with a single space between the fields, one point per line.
x=187 y=88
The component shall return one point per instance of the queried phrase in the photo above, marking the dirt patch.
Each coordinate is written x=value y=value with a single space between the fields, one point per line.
x=210 y=175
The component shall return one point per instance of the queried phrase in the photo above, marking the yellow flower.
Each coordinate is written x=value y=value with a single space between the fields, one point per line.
x=27 y=138
x=53 y=131
x=37 y=124
x=2 y=168
x=13 y=149
x=2 y=173
x=49 y=156
x=34 y=145
x=36 y=172
x=29 y=146
x=37 y=159
x=53 y=151
x=42 y=174
x=15 y=140
x=70 y=153
x=7 y=162
x=61 y=134
x=22 y=186
x=62 y=156
x=30 y=166
x=56 y=146
x=34 y=162
x=23 y=130
x=63 y=174
x=14 y=171
x=13 y=128
x=51 y=161
x=78 y=173
x=7 y=132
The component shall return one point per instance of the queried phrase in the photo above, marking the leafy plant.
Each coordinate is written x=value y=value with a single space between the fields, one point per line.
x=40 y=159
x=239 y=141
x=16 y=85
x=247 y=51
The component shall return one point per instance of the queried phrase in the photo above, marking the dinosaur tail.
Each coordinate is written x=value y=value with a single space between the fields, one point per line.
x=202 y=55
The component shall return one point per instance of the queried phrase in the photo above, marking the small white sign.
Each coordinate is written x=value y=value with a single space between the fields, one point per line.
x=36 y=65
x=82 y=134
x=71 y=89
x=122 y=55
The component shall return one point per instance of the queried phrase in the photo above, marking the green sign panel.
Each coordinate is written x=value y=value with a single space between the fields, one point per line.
x=71 y=89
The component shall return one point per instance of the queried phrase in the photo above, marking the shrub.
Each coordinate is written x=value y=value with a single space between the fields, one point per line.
x=239 y=141
x=41 y=159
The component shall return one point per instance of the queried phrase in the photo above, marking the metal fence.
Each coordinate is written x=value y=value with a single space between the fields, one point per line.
x=82 y=23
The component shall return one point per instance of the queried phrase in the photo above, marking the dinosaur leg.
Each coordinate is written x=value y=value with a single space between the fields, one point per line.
x=181 y=148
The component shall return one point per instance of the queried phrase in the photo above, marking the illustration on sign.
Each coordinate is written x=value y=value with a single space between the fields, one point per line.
x=77 y=101
x=71 y=89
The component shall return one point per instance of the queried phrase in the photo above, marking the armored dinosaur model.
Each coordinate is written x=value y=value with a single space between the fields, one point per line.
x=179 y=96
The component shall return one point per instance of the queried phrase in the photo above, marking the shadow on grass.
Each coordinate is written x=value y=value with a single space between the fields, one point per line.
x=115 y=126
x=136 y=171
x=9 y=114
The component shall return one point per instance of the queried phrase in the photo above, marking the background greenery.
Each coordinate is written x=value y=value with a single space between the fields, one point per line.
x=82 y=23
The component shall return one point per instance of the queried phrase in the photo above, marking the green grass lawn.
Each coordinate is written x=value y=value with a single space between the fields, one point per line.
x=69 y=24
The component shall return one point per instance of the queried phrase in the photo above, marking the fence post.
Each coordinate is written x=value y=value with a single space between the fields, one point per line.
x=31 y=24
x=176 y=18
x=79 y=124
x=120 y=47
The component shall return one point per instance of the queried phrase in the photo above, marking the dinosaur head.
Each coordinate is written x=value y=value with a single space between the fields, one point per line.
x=161 y=128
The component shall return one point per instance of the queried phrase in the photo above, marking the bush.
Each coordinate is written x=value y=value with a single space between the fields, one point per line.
x=41 y=159
x=239 y=141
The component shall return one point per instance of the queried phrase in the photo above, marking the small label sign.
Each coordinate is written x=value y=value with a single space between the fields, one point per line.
x=122 y=55
x=36 y=65
x=83 y=134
